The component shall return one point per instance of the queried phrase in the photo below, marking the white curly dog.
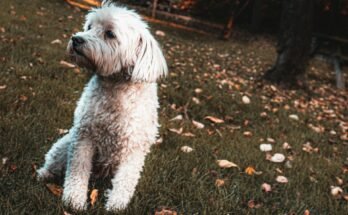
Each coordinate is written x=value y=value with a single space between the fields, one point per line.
x=116 y=120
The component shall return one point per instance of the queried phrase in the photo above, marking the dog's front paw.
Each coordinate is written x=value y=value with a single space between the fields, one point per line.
x=44 y=175
x=75 y=199
x=116 y=202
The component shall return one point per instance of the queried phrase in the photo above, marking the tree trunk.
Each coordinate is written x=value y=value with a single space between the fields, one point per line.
x=258 y=15
x=293 y=42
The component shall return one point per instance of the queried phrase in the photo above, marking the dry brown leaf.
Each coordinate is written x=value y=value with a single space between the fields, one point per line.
x=166 y=212
x=245 y=100
x=247 y=134
x=198 y=90
x=196 y=100
x=62 y=131
x=253 y=204
x=177 y=118
x=55 y=189
x=226 y=164
x=160 y=33
x=219 y=182
x=294 y=117
x=177 y=131
x=336 y=191
x=56 y=41
x=186 y=149
x=265 y=147
x=266 y=187
x=307 y=212
x=198 y=124
x=345 y=197
x=188 y=134
x=66 y=213
x=250 y=170
x=214 y=119
x=282 y=179
x=67 y=64
x=23 y=98
x=277 y=158
x=93 y=196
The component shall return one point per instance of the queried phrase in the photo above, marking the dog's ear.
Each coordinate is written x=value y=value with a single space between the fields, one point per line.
x=150 y=63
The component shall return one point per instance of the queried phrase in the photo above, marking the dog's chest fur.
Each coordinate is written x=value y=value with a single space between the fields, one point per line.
x=117 y=118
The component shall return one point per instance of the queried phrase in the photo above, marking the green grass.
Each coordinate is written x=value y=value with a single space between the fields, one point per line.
x=41 y=95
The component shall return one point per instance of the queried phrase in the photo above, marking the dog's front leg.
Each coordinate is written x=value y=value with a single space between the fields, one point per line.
x=125 y=181
x=78 y=171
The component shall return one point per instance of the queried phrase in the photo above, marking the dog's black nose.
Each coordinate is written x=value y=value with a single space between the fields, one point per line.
x=77 y=40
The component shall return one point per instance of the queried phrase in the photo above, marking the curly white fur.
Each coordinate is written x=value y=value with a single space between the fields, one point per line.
x=115 y=122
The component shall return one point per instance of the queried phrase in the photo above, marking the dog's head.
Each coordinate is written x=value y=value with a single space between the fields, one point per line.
x=116 y=39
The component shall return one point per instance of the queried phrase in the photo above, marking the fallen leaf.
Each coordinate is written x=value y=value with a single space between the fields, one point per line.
x=196 y=100
x=4 y=160
x=266 y=187
x=270 y=140
x=177 y=131
x=23 y=98
x=286 y=146
x=166 y=212
x=344 y=137
x=198 y=124
x=265 y=147
x=214 y=119
x=317 y=129
x=282 y=179
x=247 y=134
x=219 y=182
x=336 y=191
x=62 y=131
x=246 y=100
x=226 y=164
x=159 y=140
x=277 y=158
x=57 y=41
x=186 y=149
x=294 y=117
x=177 y=118
x=339 y=181
x=251 y=203
x=55 y=189
x=250 y=170
x=13 y=167
x=188 y=134
x=308 y=148
x=160 y=33
x=67 y=64
x=345 y=197
x=93 y=196
x=198 y=90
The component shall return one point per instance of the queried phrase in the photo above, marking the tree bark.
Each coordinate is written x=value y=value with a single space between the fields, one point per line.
x=293 y=42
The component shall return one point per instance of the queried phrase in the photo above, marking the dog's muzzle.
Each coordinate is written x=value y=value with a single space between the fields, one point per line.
x=77 y=41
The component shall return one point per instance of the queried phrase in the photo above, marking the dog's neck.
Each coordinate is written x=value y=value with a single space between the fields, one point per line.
x=122 y=76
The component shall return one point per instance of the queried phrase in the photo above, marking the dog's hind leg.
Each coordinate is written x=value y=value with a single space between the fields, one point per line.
x=55 y=160
x=78 y=171
x=125 y=181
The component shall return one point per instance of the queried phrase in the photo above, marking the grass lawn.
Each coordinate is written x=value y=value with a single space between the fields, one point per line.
x=207 y=77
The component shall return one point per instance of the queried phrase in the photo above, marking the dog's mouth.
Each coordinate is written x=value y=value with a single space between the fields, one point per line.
x=80 y=58
x=78 y=52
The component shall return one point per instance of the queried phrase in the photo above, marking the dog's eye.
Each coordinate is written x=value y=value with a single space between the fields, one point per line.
x=110 y=34
x=89 y=27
